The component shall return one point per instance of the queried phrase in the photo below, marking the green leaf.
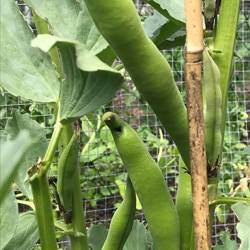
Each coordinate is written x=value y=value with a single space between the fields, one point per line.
x=173 y=10
x=25 y=71
x=137 y=239
x=11 y=155
x=92 y=153
x=228 y=244
x=26 y=234
x=8 y=219
x=18 y=123
x=242 y=211
x=86 y=59
x=70 y=20
x=175 y=40
x=164 y=32
x=246 y=150
x=96 y=236
x=81 y=92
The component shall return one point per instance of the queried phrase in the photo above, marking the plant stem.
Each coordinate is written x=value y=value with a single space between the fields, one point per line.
x=41 y=194
x=44 y=212
x=48 y=157
x=193 y=73
x=229 y=200
x=78 y=220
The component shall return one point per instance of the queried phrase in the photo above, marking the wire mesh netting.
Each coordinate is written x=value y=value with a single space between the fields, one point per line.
x=103 y=174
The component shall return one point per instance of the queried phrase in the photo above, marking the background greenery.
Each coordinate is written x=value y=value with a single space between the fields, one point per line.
x=103 y=178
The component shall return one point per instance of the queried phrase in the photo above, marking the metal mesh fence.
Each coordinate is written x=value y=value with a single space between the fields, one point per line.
x=103 y=173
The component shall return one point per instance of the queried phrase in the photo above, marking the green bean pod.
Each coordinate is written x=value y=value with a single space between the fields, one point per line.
x=212 y=108
x=184 y=207
x=122 y=221
x=67 y=166
x=149 y=184
x=120 y=24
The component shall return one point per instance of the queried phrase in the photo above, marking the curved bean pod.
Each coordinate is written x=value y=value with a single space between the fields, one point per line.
x=122 y=221
x=184 y=207
x=149 y=184
x=67 y=167
x=120 y=24
x=212 y=108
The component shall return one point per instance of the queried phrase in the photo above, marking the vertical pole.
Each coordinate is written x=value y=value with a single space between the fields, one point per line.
x=193 y=74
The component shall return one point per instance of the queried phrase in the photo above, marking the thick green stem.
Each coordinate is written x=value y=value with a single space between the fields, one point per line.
x=212 y=194
x=78 y=220
x=224 y=45
x=41 y=194
x=78 y=241
x=44 y=212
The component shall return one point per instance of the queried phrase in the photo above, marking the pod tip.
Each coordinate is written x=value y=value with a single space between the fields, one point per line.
x=112 y=120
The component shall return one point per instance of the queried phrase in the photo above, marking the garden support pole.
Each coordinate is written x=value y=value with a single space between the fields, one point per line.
x=193 y=74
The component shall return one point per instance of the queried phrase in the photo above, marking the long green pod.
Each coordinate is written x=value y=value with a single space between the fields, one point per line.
x=67 y=166
x=212 y=108
x=223 y=48
x=122 y=221
x=148 y=182
x=120 y=24
x=77 y=216
x=184 y=207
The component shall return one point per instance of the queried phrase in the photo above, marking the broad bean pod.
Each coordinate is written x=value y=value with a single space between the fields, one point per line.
x=212 y=108
x=184 y=207
x=120 y=24
x=149 y=184
x=122 y=221
x=67 y=167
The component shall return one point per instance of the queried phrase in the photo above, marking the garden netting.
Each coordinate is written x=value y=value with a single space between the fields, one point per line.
x=103 y=174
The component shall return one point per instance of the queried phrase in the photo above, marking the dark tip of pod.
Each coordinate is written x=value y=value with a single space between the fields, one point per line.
x=113 y=121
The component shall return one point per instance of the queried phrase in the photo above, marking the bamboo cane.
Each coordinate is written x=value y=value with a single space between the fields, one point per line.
x=193 y=73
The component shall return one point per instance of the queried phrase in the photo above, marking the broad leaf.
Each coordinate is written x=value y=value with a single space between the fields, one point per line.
x=173 y=10
x=24 y=71
x=175 y=40
x=8 y=219
x=228 y=244
x=84 y=92
x=81 y=92
x=70 y=20
x=26 y=234
x=11 y=155
x=137 y=239
x=96 y=236
x=86 y=59
x=18 y=123
x=164 y=32
x=242 y=211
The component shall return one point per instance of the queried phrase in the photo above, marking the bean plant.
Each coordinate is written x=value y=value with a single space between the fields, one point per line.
x=69 y=62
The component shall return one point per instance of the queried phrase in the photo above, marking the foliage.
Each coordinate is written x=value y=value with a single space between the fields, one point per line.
x=94 y=83
x=12 y=151
x=139 y=238
x=243 y=227
x=9 y=218
x=227 y=242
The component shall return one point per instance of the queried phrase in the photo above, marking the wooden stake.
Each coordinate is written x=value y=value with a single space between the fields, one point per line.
x=193 y=73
